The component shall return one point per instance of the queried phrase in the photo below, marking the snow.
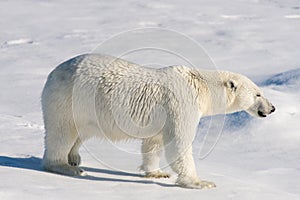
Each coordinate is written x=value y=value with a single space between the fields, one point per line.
x=292 y=16
x=247 y=158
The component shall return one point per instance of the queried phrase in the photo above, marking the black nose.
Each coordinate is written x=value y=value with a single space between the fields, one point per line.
x=273 y=109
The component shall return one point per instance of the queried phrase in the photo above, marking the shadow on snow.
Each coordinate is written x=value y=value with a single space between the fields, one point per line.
x=34 y=163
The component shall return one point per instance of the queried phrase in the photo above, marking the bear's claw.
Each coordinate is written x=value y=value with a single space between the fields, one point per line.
x=196 y=184
x=157 y=175
x=205 y=184
x=66 y=169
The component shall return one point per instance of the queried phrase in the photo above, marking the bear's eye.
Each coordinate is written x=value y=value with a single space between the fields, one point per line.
x=258 y=95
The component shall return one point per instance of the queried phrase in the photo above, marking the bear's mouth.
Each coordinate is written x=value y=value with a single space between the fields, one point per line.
x=261 y=114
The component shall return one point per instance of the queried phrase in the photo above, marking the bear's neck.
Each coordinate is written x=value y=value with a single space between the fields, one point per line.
x=209 y=89
x=215 y=95
x=213 y=101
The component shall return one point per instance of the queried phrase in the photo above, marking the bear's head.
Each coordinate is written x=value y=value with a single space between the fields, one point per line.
x=243 y=94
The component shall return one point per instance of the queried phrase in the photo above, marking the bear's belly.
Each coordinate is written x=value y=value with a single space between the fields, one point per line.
x=105 y=129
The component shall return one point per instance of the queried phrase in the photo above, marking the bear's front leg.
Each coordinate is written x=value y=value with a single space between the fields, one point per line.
x=180 y=158
x=184 y=166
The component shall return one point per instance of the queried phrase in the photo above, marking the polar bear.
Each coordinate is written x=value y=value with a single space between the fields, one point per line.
x=111 y=98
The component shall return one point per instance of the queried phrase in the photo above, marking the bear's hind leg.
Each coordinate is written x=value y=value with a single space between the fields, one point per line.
x=57 y=147
x=151 y=150
x=74 y=158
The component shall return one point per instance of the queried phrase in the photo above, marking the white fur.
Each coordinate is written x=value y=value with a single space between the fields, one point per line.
x=96 y=95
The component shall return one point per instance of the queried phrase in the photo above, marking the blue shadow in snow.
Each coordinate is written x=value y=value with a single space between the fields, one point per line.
x=237 y=120
x=232 y=121
x=111 y=172
x=34 y=163
x=284 y=78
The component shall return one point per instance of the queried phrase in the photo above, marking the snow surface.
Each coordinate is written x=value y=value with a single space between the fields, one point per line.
x=253 y=158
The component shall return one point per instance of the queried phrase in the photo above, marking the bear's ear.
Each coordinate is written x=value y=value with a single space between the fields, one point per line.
x=231 y=84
